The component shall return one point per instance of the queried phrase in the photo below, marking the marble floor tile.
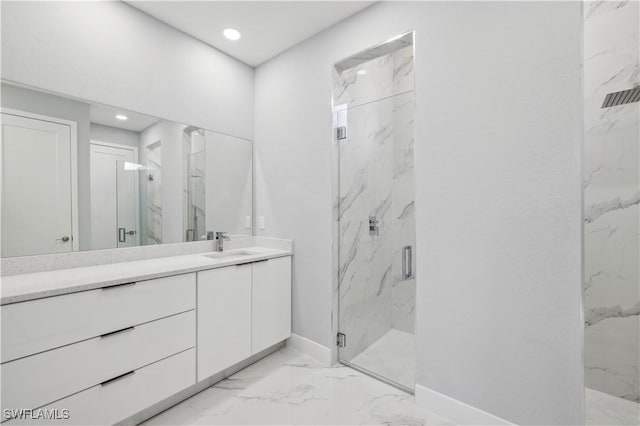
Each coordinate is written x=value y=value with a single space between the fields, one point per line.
x=604 y=409
x=392 y=356
x=289 y=388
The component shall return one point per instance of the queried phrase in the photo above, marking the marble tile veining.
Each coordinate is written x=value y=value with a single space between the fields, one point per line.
x=375 y=79
x=383 y=49
x=289 y=388
x=153 y=176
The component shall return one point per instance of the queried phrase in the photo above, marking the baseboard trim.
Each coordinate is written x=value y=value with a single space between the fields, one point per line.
x=454 y=410
x=310 y=348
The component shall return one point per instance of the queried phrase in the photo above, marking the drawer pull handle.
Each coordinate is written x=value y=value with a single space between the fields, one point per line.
x=111 y=333
x=251 y=261
x=116 y=286
x=122 y=376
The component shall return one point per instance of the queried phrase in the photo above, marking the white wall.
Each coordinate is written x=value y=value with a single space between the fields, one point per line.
x=111 y=53
x=110 y=134
x=498 y=170
x=498 y=193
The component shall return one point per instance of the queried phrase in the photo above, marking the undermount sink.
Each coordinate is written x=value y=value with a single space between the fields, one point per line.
x=216 y=255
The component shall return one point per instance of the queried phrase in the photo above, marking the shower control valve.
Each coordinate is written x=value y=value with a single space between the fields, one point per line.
x=374 y=228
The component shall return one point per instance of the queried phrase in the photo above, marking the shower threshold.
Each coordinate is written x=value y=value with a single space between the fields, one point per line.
x=378 y=377
x=390 y=359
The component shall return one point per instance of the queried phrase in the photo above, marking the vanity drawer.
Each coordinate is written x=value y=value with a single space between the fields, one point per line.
x=43 y=324
x=114 y=401
x=40 y=379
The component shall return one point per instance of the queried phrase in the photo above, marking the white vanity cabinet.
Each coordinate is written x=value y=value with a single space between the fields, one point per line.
x=111 y=354
x=104 y=354
x=43 y=324
x=242 y=310
x=96 y=360
x=112 y=402
x=224 y=318
x=271 y=302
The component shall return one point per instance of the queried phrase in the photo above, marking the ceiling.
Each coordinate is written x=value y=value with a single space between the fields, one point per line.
x=267 y=27
x=106 y=115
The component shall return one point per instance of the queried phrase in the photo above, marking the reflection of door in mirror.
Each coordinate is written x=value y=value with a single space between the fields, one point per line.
x=37 y=202
x=114 y=195
x=127 y=196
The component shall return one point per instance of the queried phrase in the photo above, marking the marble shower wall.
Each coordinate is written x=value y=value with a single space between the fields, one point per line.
x=374 y=100
x=154 y=193
x=193 y=184
x=611 y=197
x=197 y=195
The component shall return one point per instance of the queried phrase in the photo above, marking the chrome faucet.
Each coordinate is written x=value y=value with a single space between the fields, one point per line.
x=220 y=237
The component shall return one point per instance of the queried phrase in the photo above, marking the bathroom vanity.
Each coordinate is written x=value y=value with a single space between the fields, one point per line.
x=123 y=341
x=114 y=303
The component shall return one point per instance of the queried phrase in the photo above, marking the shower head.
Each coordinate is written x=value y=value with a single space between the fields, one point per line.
x=621 y=98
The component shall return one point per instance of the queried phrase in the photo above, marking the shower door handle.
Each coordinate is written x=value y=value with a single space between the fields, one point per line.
x=407 y=262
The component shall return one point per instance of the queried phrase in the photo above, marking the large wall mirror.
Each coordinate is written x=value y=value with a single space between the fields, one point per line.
x=77 y=175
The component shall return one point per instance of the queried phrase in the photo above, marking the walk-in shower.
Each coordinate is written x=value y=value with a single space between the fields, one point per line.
x=194 y=197
x=373 y=103
x=611 y=212
x=153 y=218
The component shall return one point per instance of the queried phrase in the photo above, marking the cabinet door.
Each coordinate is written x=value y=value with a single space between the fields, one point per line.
x=271 y=302
x=224 y=318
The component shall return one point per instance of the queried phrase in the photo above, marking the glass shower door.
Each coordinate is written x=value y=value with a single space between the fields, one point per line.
x=376 y=280
x=197 y=197
x=153 y=200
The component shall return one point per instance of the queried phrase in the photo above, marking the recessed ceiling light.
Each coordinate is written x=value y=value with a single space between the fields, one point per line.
x=231 y=34
x=362 y=72
x=121 y=117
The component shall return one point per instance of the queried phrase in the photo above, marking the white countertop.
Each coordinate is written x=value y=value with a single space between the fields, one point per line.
x=22 y=287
